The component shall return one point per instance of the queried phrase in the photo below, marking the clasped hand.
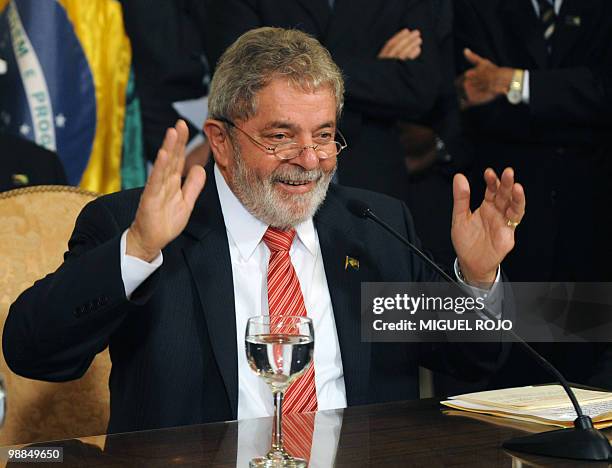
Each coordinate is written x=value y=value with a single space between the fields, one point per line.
x=484 y=82
x=403 y=45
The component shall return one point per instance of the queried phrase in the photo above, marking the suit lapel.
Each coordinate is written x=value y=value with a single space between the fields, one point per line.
x=337 y=241
x=319 y=11
x=570 y=26
x=527 y=29
x=209 y=262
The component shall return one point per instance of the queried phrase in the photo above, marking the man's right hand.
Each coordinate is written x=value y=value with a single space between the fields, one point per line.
x=403 y=45
x=165 y=206
x=482 y=83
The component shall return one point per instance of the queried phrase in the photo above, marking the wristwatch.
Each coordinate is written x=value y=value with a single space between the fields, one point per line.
x=515 y=91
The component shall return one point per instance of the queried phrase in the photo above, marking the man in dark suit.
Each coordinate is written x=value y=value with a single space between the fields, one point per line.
x=168 y=67
x=386 y=49
x=556 y=132
x=167 y=277
x=537 y=88
x=435 y=148
x=23 y=163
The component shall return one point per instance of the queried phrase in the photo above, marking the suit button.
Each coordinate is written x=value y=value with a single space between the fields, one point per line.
x=553 y=196
x=560 y=151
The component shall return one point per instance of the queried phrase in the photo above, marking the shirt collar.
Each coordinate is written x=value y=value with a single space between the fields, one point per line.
x=246 y=230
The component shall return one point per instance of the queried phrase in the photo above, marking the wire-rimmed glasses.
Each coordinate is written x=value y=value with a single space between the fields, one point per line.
x=325 y=148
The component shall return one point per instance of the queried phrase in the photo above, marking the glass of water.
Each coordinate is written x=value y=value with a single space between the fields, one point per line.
x=279 y=350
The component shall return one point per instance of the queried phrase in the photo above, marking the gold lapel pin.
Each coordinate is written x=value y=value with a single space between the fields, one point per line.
x=351 y=263
x=20 y=179
x=573 y=21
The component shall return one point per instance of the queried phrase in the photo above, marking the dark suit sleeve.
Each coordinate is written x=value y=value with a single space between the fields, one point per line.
x=377 y=88
x=60 y=175
x=168 y=61
x=396 y=89
x=445 y=118
x=579 y=95
x=226 y=21
x=55 y=328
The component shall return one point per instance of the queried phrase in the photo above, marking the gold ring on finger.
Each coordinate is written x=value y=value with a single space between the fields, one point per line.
x=512 y=224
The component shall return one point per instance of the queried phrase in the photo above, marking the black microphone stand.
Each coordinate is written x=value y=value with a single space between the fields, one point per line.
x=583 y=441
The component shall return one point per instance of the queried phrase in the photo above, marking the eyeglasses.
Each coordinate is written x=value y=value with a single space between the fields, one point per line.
x=324 y=149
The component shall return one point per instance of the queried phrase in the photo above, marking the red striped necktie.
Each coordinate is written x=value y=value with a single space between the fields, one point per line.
x=285 y=298
x=298 y=432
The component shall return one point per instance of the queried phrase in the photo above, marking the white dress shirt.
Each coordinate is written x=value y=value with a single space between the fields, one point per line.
x=536 y=6
x=250 y=256
x=557 y=6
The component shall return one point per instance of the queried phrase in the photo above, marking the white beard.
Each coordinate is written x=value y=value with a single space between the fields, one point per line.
x=279 y=210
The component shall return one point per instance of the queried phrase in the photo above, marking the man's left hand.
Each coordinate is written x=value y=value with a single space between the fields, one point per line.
x=484 y=82
x=484 y=237
x=403 y=45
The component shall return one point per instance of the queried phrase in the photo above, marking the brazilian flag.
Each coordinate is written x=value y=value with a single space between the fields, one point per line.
x=69 y=88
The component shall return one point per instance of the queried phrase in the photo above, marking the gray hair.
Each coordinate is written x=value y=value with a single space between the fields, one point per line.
x=261 y=55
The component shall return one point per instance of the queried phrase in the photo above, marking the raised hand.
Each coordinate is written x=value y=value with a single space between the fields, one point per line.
x=165 y=205
x=403 y=45
x=483 y=238
x=485 y=82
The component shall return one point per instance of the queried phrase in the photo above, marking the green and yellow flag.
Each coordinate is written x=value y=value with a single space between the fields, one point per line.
x=70 y=88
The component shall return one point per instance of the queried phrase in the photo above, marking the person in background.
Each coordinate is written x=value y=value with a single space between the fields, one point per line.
x=168 y=275
x=434 y=147
x=535 y=77
x=387 y=52
x=23 y=164
x=169 y=66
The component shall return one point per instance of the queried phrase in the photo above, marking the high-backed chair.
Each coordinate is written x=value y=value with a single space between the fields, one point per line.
x=35 y=225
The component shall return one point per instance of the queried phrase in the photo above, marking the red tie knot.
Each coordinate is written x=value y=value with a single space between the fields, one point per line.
x=278 y=240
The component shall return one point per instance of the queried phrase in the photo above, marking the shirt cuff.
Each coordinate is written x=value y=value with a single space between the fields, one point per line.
x=135 y=271
x=525 y=97
x=492 y=297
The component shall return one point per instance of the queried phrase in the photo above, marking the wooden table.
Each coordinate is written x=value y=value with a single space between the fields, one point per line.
x=413 y=433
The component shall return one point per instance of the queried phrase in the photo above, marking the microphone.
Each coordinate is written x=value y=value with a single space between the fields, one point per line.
x=583 y=441
x=361 y=210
